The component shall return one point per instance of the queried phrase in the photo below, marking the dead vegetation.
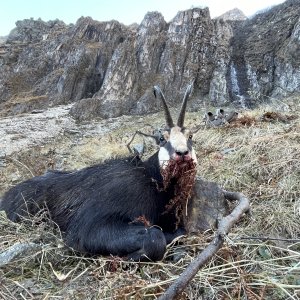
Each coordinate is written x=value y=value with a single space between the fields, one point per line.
x=259 y=260
x=185 y=172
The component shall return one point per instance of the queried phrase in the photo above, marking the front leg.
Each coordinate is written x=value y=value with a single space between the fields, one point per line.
x=176 y=253
x=170 y=236
x=133 y=241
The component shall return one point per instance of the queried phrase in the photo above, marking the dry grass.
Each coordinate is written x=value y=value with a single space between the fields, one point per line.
x=259 y=158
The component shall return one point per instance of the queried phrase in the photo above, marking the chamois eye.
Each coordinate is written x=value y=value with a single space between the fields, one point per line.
x=162 y=139
x=190 y=136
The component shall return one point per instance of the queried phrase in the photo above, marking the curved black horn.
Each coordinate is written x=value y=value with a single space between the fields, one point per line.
x=156 y=89
x=183 y=106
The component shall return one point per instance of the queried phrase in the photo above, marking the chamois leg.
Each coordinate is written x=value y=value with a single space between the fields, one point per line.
x=133 y=241
x=171 y=236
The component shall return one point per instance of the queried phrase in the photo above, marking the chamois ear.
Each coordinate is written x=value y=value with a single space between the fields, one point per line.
x=169 y=120
x=231 y=116
x=220 y=113
x=183 y=105
x=211 y=116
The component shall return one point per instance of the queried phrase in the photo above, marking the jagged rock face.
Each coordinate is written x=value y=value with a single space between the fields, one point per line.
x=265 y=59
x=218 y=91
x=233 y=15
x=189 y=52
x=109 y=69
x=157 y=53
x=59 y=65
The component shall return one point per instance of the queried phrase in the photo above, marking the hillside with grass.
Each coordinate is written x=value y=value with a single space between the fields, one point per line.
x=258 y=155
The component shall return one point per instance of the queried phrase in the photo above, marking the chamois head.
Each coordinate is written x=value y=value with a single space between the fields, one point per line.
x=175 y=140
x=177 y=158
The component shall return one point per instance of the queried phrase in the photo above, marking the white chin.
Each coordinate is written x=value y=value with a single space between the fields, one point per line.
x=163 y=157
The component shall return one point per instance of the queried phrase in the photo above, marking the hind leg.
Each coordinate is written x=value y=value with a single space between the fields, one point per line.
x=133 y=241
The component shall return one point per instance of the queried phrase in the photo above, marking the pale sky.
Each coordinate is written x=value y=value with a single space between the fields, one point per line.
x=124 y=11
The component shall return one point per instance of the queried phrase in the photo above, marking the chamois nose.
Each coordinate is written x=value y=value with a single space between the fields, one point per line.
x=182 y=153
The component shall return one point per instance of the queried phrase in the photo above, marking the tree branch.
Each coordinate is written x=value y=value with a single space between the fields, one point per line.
x=224 y=227
x=155 y=137
x=18 y=250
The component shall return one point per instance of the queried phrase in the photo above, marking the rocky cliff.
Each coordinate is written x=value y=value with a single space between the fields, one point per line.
x=109 y=69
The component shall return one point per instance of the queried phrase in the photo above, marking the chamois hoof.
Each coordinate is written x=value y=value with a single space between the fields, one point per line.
x=153 y=248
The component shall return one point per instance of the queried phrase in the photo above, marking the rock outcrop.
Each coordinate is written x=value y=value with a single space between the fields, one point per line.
x=265 y=59
x=108 y=69
x=233 y=15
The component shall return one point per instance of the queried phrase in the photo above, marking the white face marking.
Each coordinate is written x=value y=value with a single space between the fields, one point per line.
x=177 y=142
x=163 y=157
